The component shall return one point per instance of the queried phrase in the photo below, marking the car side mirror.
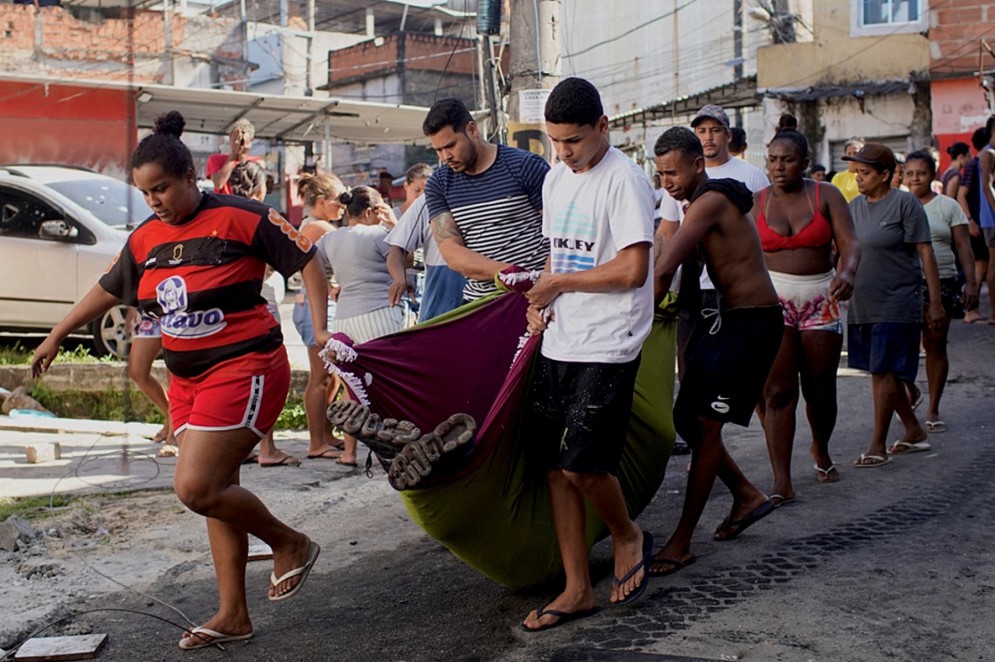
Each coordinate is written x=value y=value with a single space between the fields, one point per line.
x=58 y=230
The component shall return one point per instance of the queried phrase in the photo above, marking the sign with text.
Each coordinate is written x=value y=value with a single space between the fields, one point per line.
x=531 y=106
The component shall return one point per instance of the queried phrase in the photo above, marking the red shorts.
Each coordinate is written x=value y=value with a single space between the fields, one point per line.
x=245 y=392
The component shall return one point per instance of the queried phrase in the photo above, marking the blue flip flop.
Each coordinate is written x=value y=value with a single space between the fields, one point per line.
x=563 y=616
x=643 y=563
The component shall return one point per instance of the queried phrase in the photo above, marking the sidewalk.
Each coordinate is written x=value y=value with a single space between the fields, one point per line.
x=110 y=456
x=94 y=452
x=97 y=456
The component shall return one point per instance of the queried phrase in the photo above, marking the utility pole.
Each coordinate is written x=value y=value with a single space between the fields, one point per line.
x=489 y=25
x=169 y=60
x=534 y=70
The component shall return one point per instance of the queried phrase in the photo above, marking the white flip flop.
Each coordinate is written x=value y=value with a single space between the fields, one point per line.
x=303 y=571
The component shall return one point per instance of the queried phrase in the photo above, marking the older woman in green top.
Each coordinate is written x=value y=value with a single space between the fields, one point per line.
x=948 y=229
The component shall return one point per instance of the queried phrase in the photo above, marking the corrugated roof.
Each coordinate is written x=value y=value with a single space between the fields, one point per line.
x=740 y=94
x=815 y=92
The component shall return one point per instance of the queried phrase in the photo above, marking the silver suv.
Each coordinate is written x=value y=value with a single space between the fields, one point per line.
x=60 y=228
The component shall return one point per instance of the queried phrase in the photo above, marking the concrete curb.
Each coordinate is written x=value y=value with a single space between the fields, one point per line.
x=103 y=376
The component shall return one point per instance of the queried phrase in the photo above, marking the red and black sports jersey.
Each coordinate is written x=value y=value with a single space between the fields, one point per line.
x=202 y=279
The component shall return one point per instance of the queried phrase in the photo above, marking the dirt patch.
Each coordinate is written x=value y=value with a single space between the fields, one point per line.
x=101 y=544
x=83 y=549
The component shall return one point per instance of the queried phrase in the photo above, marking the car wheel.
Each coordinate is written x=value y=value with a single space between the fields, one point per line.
x=112 y=333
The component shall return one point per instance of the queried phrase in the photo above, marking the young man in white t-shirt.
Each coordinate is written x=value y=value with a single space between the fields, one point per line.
x=598 y=215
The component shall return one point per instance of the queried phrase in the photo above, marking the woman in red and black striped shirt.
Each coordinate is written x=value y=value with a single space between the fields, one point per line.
x=197 y=266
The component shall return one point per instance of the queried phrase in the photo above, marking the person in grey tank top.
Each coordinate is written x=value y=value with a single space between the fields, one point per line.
x=357 y=256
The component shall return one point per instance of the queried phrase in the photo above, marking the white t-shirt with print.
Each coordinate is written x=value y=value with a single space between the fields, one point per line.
x=589 y=217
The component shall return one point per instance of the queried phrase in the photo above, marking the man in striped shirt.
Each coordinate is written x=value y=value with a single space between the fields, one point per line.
x=485 y=201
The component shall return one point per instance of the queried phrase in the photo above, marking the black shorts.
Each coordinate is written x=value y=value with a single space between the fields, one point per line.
x=725 y=371
x=950 y=297
x=579 y=413
x=979 y=248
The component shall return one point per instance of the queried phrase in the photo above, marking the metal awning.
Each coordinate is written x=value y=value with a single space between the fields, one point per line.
x=816 y=92
x=284 y=118
x=739 y=94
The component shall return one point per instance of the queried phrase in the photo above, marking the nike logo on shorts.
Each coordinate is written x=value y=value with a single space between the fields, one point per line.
x=720 y=406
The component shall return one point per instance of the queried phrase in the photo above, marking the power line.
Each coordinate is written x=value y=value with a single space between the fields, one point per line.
x=631 y=30
x=898 y=28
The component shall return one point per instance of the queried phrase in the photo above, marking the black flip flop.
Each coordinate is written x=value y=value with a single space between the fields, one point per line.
x=740 y=525
x=643 y=563
x=286 y=461
x=324 y=455
x=563 y=616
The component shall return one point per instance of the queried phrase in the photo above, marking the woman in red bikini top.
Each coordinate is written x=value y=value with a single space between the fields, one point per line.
x=799 y=221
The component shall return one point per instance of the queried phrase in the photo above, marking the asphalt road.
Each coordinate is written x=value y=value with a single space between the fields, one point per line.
x=892 y=563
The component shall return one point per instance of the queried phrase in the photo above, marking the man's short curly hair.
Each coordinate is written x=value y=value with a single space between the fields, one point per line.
x=245 y=127
x=449 y=112
x=679 y=138
x=574 y=101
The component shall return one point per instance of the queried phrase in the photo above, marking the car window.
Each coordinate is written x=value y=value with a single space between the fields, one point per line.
x=115 y=203
x=21 y=215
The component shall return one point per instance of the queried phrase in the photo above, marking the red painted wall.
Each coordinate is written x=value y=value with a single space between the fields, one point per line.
x=63 y=124
x=959 y=108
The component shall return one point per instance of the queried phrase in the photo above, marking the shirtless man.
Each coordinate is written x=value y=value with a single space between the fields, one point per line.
x=730 y=354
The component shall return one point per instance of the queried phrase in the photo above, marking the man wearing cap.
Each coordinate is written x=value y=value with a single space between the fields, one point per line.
x=220 y=166
x=885 y=315
x=711 y=125
x=443 y=288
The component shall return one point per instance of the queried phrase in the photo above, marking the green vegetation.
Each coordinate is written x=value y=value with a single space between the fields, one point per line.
x=292 y=417
x=108 y=405
x=18 y=354
x=32 y=507
x=81 y=354
x=131 y=405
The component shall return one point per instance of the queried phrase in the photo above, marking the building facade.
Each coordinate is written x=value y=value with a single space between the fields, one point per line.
x=959 y=64
x=864 y=74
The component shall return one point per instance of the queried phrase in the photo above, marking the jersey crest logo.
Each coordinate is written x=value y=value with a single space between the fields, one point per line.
x=176 y=321
x=177 y=254
x=171 y=294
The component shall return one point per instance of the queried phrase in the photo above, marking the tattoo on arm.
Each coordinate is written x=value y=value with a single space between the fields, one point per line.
x=444 y=227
